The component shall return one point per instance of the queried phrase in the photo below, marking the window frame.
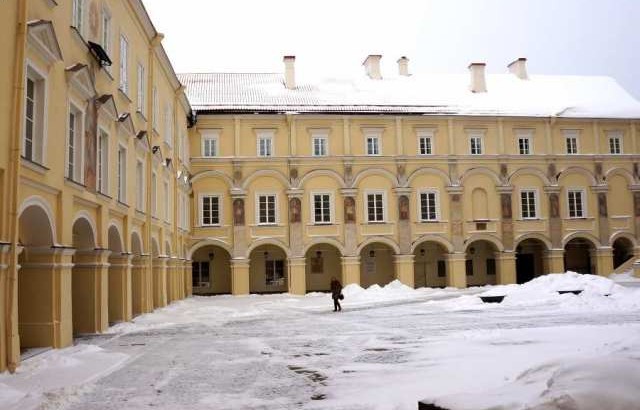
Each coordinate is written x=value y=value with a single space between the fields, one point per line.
x=77 y=15
x=76 y=174
x=615 y=135
x=201 y=198
x=102 y=161
x=324 y=138
x=266 y=136
x=436 y=193
x=377 y=137
x=142 y=90
x=480 y=138
x=40 y=111
x=167 y=204
x=123 y=81
x=536 y=204
x=526 y=135
x=571 y=135
x=140 y=185
x=583 y=202
x=428 y=135
x=312 y=206
x=384 y=206
x=210 y=135
x=121 y=177
x=275 y=210
x=154 y=193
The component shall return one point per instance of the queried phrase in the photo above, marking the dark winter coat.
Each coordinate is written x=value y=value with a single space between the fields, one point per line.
x=336 y=289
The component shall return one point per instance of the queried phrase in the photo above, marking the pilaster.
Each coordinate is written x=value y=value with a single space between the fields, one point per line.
x=297 y=276
x=90 y=291
x=160 y=281
x=141 y=299
x=604 y=261
x=506 y=262
x=120 y=288
x=404 y=269
x=456 y=270
x=350 y=270
x=554 y=261
x=240 y=276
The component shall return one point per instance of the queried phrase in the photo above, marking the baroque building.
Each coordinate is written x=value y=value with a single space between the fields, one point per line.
x=434 y=180
x=93 y=125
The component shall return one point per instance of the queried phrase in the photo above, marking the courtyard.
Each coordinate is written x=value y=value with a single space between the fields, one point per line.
x=389 y=348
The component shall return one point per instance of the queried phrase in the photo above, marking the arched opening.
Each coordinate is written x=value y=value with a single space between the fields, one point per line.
x=622 y=251
x=211 y=271
x=36 y=285
x=322 y=262
x=119 y=279
x=376 y=265
x=85 y=279
x=136 y=244
x=579 y=256
x=529 y=260
x=268 y=270
x=480 y=265
x=430 y=266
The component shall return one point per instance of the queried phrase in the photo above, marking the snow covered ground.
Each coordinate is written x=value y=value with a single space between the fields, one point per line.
x=389 y=348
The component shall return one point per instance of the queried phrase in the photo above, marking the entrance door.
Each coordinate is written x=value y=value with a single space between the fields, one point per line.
x=525 y=268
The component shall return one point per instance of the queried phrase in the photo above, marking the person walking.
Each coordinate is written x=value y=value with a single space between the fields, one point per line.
x=336 y=293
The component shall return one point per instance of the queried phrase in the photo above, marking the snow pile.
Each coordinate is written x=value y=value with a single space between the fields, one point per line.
x=626 y=278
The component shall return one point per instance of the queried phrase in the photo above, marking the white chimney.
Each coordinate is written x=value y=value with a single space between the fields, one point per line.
x=403 y=66
x=289 y=72
x=478 y=82
x=519 y=68
x=372 y=66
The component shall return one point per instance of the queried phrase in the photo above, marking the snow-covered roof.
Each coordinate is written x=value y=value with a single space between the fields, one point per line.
x=429 y=94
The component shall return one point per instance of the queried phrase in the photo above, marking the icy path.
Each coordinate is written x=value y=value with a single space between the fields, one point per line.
x=284 y=352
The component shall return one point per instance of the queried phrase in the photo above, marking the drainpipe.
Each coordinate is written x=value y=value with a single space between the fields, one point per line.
x=14 y=175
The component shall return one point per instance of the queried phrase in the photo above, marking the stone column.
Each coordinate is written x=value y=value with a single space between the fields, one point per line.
x=635 y=189
x=120 y=287
x=457 y=218
x=297 y=276
x=4 y=265
x=350 y=270
x=507 y=216
x=141 y=299
x=160 y=281
x=170 y=279
x=296 y=233
x=350 y=224
x=47 y=320
x=239 y=224
x=240 y=276
x=404 y=269
x=603 y=213
x=506 y=266
x=90 y=291
x=604 y=261
x=555 y=221
x=404 y=220
x=456 y=270
x=187 y=277
x=554 y=261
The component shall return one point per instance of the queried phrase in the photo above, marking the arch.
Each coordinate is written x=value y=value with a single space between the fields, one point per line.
x=85 y=215
x=268 y=241
x=529 y=171
x=83 y=230
x=581 y=235
x=136 y=243
x=432 y=238
x=40 y=203
x=266 y=173
x=542 y=238
x=481 y=171
x=212 y=173
x=115 y=242
x=188 y=253
x=622 y=172
x=375 y=171
x=429 y=171
x=155 y=247
x=623 y=234
x=380 y=239
x=322 y=241
x=577 y=170
x=484 y=237
x=322 y=172
x=323 y=260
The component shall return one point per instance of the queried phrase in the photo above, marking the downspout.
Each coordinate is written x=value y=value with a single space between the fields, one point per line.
x=14 y=175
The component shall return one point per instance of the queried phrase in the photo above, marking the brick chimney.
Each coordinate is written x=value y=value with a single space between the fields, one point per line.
x=372 y=66
x=519 y=68
x=478 y=82
x=403 y=66
x=289 y=72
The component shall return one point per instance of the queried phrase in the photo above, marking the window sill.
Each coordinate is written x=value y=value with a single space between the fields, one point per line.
x=74 y=184
x=34 y=166
x=210 y=226
x=107 y=71
x=430 y=221
x=141 y=115
x=78 y=36
x=122 y=205
x=124 y=94
x=104 y=196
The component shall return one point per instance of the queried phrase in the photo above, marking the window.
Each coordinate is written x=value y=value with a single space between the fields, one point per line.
x=528 y=202
x=200 y=274
x=124 y=64
x=373 y=144
x=210 y=210
x=429 y=206
x=106 y=33
x=141 y=89
x=122 y=174
x=210 y=145
x=375 y=207
x=156 y=108
x=33 y=140
x=322 y=208
x=442 y=269
x=320 y=145
x=167 y=204
x=475 y=145
x=524 y=143
x=571 y=142
x=265 y=144
x=140 y=185
x=168 y=124
x=74 y=144
x=185 y=148
x=103 y=162
x=274 y=272
x=575 y=198
x=266 y=209
x=468 y=267
x=491 y=267
x=425 y=143
x=615 y=143
x=77 y=18
x=154 y=194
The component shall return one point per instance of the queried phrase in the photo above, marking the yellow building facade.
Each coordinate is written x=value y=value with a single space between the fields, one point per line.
x=93 y=128
x=447 y=181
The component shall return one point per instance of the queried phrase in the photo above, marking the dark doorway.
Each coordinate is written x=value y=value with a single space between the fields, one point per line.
x=525 y=267
x=622 y=251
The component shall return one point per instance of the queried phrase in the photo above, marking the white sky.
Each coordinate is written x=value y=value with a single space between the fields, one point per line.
x=596 y=37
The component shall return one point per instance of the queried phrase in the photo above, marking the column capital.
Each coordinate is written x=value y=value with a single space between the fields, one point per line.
x=454 y=189
x=403 y=258
x=402 y=191
x=599 y=188
x=240 y=262
x=349 y=192
x=238 y=193
x=551 y=189
x=295 y=193
x=456 y=256
x=296 y=261
x=350 y=260
x=504 y=189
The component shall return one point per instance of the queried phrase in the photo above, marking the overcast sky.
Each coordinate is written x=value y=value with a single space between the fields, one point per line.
x=595 y=37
